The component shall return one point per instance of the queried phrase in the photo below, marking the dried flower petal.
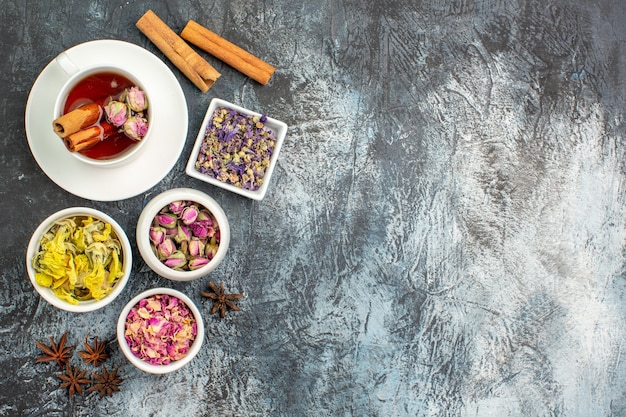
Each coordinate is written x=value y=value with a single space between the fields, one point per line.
x=237 y=148
x=160 y=329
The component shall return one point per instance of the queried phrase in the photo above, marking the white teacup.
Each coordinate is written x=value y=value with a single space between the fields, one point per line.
x=76 y=74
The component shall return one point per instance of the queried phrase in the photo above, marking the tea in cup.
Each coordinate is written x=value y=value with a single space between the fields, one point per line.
x=102 y=113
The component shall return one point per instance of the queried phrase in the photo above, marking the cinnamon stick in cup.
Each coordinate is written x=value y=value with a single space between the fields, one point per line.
x=199 y=71
x=86 y=138
x=228 y=52
x=77 y=119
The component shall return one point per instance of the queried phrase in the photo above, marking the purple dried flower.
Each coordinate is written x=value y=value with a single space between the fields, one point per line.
x=232 y=142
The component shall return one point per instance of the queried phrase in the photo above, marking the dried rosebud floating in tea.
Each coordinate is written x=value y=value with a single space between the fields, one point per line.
x=160 y=329
x=184 y=235
x=236 y=149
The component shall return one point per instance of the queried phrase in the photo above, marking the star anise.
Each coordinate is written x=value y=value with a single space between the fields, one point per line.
x=59 y=353
x=106 y=382
x=74 y=379
x=94 y=353
x=221 y=300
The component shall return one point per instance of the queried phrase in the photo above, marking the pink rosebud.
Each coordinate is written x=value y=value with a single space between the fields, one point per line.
x=166 y=220
x=116 y=112
x=157 y=234
x=183 y=234
x=136 y=99
x=189 y=214
x=136 y=127
x=165 y=249
x=205 y=216
x=211 y=250
x=177 y=206
x=197 y=263
x=200 y=230
x=196 y=247
x=176 y=261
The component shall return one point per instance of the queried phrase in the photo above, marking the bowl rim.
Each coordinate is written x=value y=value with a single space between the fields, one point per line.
x=280 y=129
x=150 y=211
x=172 y=366
x=34 y=244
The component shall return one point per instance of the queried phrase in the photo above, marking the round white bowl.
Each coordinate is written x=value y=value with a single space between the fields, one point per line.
x=172 y=366
x=152 y=209
x=46 y=293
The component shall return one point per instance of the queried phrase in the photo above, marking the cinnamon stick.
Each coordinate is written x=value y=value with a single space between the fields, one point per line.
x=86 y=138
x=199 y=71
x=228 y=52
x=77 y=119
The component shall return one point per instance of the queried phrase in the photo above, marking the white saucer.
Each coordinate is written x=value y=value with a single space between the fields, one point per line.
x=150 y=165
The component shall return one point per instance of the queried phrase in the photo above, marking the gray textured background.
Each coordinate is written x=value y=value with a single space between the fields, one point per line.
x=444 y=234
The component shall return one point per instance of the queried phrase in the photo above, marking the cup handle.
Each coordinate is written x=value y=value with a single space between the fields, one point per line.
x=66 y=64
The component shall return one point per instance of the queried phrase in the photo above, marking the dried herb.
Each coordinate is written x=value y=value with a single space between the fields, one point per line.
x=185 y=235
x=74 y=379
x=106 y=382
x=237 y=148
x=94 y=353
x=221 y=300
x=56 y=352
x=83 y=247
x=160 y=329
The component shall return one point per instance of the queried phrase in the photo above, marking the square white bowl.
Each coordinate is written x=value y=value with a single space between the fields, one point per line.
x=280 y=131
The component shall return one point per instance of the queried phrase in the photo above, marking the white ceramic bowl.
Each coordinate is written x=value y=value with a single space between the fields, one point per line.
x=154 y=207
x=279 y=128
x=172 y=366
x=34 y=244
